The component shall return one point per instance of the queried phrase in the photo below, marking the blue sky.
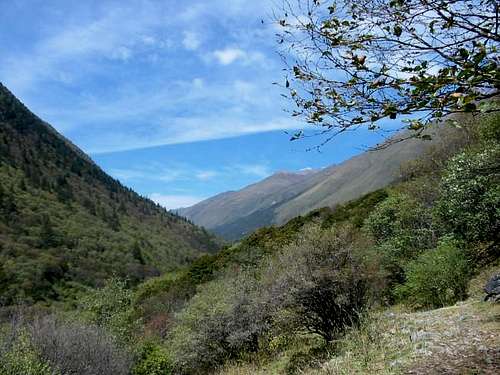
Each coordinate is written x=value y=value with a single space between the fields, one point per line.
x=174 y=98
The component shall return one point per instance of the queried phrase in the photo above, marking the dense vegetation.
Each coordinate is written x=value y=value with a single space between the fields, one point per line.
x=297 y=288
x=66 y=225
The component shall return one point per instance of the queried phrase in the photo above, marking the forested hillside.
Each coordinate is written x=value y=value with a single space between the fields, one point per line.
x=359 y=288
x=281 y=299
x=385 y=264
x=65 y=224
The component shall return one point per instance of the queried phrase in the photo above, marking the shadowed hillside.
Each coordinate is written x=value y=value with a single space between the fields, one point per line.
x=65 y=223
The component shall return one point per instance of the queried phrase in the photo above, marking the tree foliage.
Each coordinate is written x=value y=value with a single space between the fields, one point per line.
x=320 y=281
x=470 y=194
x=437 y=278
x=353 y=63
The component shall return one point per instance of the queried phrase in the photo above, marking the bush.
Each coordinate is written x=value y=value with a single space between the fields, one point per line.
x=111 y=307
x=470 y=195
x=76 y=348
x=317 y=285
x=402 y=229
x=18 y=356
x=221 y=321
x=46 y=345
x=404 y=222
x=153 y=360
x=320 y=280
x=437 y=278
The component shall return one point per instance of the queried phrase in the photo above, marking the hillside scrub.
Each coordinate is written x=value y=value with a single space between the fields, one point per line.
x=298 y=292
x=315 y=285
x=47 y=345
x=437 y=278
x=317 y=278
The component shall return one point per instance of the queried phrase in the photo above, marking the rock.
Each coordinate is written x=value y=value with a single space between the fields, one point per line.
x=492 y=289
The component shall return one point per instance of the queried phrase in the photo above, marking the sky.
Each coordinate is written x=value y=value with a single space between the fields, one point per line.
x=173 y=98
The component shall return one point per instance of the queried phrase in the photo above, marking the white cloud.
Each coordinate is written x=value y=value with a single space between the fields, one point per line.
x=258 y=170
x=229 y=55
x=114 y=34
x=152 y=171
x=191 y=41
x=206 y=175
x=174 y=102
x=122 y=53
x=175 y=201
x=198 y=83
x=149 y=40
x=222 y=110
x=184 y=130
x=157 y=172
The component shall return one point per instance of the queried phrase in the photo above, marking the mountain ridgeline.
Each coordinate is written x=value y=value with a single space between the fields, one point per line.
x=65 y=224
x=283 y=196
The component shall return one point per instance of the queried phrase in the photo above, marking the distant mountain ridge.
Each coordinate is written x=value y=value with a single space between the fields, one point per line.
x=285 y=195
x=66 y=224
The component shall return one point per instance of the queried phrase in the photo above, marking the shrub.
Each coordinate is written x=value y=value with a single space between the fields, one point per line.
x=111 y=307
x=316 y=285
x=76 y=348
x=18 y=356
x=404 y=222
x=221 y=321
x=402 y=229
x=470 y=195
x=437 y=278
x=320 y=280
x=153 y=360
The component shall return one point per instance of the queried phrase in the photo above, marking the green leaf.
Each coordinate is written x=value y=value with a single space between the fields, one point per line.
x=398 y=30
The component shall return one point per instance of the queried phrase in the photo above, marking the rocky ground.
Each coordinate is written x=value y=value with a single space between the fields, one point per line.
x=460 y=339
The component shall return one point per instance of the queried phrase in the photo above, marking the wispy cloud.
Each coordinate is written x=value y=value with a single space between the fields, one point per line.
x=257 y=170
x=116 y=76
x=191 y=41
x=206 y=175
x=229 y=55
x=171 y=202
x=156 y=172
x=183 y=130
x=114 y=34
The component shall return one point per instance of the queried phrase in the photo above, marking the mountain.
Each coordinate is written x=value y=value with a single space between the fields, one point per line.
x=65 y=224
x=283 y=196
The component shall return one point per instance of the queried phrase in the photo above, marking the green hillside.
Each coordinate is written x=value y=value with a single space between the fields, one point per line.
x=368 y=286
x=64 y=223
x=282 y=300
